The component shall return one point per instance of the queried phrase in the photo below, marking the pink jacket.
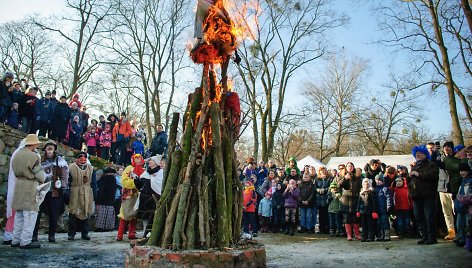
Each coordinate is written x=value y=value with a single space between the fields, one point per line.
x=92 y=139
x=106 y=139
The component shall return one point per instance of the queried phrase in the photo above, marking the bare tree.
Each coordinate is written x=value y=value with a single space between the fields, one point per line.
x=388 y=117
x=80 y=43
x=288 y=35
x=417 y=27
x=292 y=140
x=145 y=40
x=27 y=51
x=336 y=103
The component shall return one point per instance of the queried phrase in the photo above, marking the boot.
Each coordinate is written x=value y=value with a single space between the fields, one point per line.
x=380 y=235
x=357 y=232
x=292 y=228
x=287 y=228
x=468 y=243
x=332 y=232
x=348 y=231
x=132 y=229
x=121 y=229
x=387 y=236
x=451 y=234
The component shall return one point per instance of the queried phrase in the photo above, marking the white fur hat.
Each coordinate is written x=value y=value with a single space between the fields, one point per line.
x=156 y=159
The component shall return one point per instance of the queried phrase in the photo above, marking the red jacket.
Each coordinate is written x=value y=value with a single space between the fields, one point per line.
x=401 y=198
x=249 y=199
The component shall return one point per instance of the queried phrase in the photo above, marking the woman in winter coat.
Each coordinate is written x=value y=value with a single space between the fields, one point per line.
x=149 y=185
x=351 y=185
x=306 y=204
x=60 y=120
x=322 y=184
x=104 y=208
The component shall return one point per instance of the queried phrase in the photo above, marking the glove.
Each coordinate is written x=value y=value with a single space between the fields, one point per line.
x=375 y=216
x=358 y=214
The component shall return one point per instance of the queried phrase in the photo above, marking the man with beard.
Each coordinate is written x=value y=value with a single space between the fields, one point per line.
x=57 y=172
x=29 y=174
x=81 y=196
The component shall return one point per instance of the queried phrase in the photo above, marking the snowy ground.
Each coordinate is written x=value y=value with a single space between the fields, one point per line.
x=282 y=251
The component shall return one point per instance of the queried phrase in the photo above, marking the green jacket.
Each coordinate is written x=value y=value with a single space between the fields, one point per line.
x=451 y=164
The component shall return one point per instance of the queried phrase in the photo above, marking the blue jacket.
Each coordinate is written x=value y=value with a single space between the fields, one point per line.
x=383 y=196
x=265 y=207
x=460 y=207
x=322 y=191
x=13 y=118
x=159 y=143
x=261 y=174
x=77 y=128
x=138 y=147
x=44 y=110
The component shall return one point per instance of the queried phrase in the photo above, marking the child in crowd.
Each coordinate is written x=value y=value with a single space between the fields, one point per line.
x=278 y=207
x=335 y=222
x=402 y=204
x=92 y=139
x=13 y=119
x=384 y=204
x=75 y=131
x=291 y=195
x=138 y=146
x=249 y=207
x=265 y=212
x=463 y=207
x=273 y=186
x=106 y=139
x=367 y=208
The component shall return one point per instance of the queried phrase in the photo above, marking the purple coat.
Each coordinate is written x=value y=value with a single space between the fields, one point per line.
x=291 y=198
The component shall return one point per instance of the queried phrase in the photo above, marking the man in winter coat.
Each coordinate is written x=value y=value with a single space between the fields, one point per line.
x=306 y=204
x=81 y=196
x=422 y=188
x=159 y=142
x=60 y=120
x=29 y=173
x=44 y=111
x=5 y=101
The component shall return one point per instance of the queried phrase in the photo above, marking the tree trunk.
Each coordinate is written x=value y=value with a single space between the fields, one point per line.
x=467 y=12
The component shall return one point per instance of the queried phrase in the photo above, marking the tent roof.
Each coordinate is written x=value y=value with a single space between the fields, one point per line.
x=309 y=160
x=360 y=161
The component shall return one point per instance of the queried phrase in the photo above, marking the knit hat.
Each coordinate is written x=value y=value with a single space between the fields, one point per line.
x=80 y=154
x=156 y=159
x=422 y=149
x=48 y=93
x=379 y=177
x=8 y=74
x=464 y=167
x=458 y=148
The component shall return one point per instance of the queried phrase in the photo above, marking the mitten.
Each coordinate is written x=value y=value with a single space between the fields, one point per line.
x=375 y=216
x=358 y=214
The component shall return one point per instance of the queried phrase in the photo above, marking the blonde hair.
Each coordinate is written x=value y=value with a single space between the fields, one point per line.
x=320 y=169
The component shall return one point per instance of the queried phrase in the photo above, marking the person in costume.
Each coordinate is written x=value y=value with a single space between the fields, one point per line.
x=8 y=231
x=150 y=187
x=29 y=174
x=129 y=197
x=57 y=172
x=105 y=210
x=81 y=196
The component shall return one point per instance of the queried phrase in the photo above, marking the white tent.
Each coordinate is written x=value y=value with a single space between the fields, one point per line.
x=311 y=161
x=360 y=161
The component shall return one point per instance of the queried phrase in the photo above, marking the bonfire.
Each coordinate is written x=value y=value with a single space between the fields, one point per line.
x=201 y=204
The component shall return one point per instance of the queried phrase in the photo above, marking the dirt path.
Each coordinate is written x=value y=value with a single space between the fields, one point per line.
x=282 y=251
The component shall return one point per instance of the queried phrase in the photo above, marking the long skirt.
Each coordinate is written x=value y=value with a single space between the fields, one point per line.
x=105 y=217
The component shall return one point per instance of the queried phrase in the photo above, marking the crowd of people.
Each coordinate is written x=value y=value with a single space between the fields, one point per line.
x=116 y=199
x=112 y=138
x=375 y=199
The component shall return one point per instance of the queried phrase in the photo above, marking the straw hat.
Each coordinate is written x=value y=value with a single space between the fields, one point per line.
x=32 y=139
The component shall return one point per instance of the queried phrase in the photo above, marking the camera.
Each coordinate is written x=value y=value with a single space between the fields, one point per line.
x=438 y=146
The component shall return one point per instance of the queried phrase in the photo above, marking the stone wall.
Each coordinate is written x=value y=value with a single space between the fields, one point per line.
x=9 y=140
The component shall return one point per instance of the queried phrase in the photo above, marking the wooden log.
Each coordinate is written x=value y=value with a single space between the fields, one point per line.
x=222 y=217
x=192 y=216
x=169 y=225
x=237 y=202
x=183 y=233
x=228 y=165
x=165 y=200
x=172 y=145
x=206 y=213
x=190 y=124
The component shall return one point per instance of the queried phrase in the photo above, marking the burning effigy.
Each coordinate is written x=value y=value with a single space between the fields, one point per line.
x=201 y=204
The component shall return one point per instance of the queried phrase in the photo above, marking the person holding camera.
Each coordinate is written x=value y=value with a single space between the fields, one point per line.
x=422 y=188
